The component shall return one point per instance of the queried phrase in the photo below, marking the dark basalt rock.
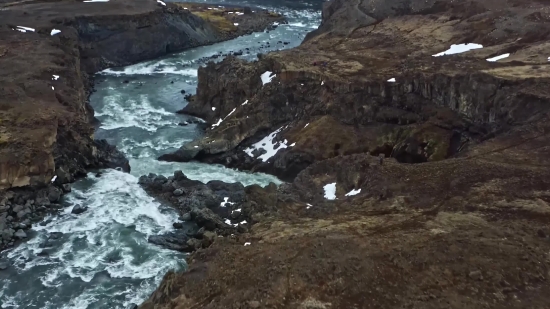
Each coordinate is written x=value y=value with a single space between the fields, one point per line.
x=78 y=209
x=174 y=241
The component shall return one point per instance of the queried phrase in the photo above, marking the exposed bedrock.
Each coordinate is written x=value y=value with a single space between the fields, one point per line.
x=46 y=129
x=376 y=89
x=207 y=211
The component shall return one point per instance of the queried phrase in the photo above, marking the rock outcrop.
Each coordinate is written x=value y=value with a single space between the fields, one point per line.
x=466 y=227
x=214 y=208
x=355 y=90
x=46 y=130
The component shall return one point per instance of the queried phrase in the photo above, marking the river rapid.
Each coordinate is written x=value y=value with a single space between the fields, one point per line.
x=101 y=258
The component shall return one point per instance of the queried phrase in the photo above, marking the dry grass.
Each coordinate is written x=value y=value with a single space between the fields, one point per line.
x=216 y=17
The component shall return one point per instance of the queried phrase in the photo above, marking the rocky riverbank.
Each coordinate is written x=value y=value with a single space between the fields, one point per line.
x=211 y=210
x=48 y=53
x=414 y=136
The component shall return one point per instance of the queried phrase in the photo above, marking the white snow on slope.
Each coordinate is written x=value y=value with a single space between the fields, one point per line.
x=391 y=80
x=353 y=192
x=268 y=145
x=54 y=32
x=330 y=191
x=459 y=48
x=497 y=58
x=267 y=77
x=24 y=29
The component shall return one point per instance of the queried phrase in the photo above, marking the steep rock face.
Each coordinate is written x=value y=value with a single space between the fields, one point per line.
x=457 y=233
x=46 y=134
x=357 y=92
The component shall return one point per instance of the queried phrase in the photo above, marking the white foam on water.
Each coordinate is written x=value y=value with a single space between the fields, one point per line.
x=132 y=113
x=152 y=67
x=114 y=200
x=202 y=172
x=459 y=48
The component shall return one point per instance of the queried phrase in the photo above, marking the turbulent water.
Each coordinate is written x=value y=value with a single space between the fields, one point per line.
x=101 y=258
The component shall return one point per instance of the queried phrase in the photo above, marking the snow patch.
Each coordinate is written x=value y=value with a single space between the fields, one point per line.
x=307 y=124
x=53 y=88
x=292 y=145
x=353 y=192
x=391 y=80
x=497 y=58
x=226 y=202
x=322 y=82
x=245 y=102
x=24 y=29
x=459 y=48
x=54 y=32
x=55 y=77
x=54 y=178
x=221 y=120
x=246 y=244
x=268 y=145
x=96 y=1
x=267 y=77
x=235 y=24
x=161 y=2
x=330 y=191
x=309 y=206
x=213 y=108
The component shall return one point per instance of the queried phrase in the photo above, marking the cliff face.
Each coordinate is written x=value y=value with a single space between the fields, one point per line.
x=45 y=128
x=376 y=87
x=467 y=227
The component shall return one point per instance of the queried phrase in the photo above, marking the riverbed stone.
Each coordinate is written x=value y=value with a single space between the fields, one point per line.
x=18 y=208
x=66 y=187
x=78 y=209
x=54 y=194
x=20 y=234
x=186 y=217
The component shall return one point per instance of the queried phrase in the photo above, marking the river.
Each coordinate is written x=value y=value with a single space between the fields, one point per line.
x=101 y=258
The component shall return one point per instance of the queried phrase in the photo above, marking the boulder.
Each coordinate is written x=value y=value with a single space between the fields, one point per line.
x=132 y=306
x=111 y=157
x=204 y=217
x=20 y=234
x=7 y=234
x=78 y=209
x=177 y=225
x=186 y=217
x=66 y=187
x=208 y=238
x=54 y=194
x=194 y=244
x=176 y=240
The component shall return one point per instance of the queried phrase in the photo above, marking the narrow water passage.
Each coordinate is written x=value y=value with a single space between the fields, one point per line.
x=100 y=258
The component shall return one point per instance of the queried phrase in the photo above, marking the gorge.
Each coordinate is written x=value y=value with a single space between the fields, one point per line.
x=396 y=156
